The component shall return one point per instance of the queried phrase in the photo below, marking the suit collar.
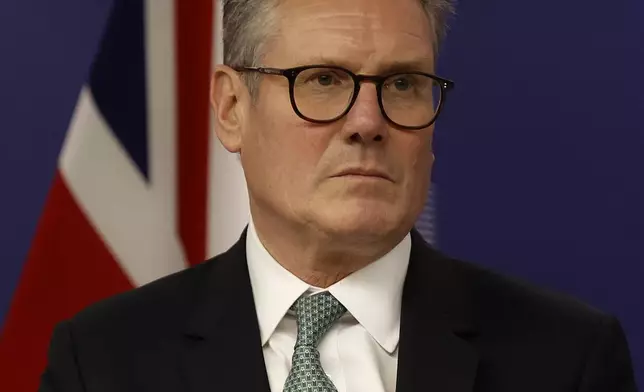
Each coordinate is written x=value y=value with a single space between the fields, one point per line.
x=222 y=347
x=442 y=286
x=438 y=321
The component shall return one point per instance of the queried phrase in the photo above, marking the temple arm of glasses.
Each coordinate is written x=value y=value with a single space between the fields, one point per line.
x=264 y=70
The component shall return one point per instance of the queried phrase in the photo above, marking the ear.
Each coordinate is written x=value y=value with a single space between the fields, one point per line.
x=227 y=97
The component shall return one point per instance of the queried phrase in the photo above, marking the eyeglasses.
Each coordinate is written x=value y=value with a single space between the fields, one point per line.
x=325 y=93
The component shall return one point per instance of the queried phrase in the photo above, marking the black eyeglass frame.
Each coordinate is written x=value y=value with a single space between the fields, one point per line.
x=379 y=80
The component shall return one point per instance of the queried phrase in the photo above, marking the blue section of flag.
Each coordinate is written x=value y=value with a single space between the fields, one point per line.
x=117 y=79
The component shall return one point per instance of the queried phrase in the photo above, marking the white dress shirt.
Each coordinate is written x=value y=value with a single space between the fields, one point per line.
x=359 y=353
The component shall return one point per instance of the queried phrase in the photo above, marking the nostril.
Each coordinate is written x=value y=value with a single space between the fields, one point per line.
x=359 y=138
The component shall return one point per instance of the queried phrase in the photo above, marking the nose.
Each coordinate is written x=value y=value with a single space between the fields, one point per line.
x=365 y=123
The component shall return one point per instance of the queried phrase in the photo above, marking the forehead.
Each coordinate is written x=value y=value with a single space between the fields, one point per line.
x=363 y=35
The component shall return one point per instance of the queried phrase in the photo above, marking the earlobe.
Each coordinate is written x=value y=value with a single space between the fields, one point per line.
x=225 y=93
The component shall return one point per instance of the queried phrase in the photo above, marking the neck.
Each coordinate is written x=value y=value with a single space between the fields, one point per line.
x=315 y=257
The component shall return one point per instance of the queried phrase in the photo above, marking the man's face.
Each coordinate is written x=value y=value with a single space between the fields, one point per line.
x=292 y=165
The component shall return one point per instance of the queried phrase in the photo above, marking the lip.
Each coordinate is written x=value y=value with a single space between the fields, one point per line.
x=364 y=172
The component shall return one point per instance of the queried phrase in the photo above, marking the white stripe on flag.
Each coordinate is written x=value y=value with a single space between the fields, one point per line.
x=116 y=199
x=162 y=104
x=137 y=219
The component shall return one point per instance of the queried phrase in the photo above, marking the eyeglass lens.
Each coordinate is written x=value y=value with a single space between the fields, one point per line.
x=409 y=100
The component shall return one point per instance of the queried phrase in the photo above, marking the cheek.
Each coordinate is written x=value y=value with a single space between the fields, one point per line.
x=419 y=167
x=285 y=152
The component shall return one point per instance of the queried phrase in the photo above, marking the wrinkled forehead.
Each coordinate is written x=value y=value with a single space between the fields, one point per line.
x=366 y=36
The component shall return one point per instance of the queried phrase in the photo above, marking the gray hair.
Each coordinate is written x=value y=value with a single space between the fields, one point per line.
x=248 y=25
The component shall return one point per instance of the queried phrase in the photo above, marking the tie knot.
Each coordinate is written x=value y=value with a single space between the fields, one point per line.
x=315 y=315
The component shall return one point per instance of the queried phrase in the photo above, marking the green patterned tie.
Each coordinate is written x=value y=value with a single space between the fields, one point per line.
x=315 y=315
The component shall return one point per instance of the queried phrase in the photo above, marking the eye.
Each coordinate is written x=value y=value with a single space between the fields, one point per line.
x=402 y=83
x=325 y=79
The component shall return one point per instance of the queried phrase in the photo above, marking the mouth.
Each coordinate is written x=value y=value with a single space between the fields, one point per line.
x=366 y=174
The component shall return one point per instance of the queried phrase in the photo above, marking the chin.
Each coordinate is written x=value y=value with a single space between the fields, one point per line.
x=361 y=219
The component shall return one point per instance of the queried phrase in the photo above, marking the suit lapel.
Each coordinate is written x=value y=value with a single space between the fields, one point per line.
x=436 y=322
x=222 y=351
x=222 y=348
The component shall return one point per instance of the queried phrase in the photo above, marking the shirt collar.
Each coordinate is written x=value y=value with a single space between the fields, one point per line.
x=275 y=289
x=372 y=295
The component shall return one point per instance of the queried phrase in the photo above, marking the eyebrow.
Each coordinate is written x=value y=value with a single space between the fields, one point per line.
x=419 y=64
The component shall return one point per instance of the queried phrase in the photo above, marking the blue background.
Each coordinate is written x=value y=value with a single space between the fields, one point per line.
x=540 y=149
x=540 y=153
x=46 y=48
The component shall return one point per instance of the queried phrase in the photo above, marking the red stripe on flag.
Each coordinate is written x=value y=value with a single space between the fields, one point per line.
x=67 y=269
x=194 y=52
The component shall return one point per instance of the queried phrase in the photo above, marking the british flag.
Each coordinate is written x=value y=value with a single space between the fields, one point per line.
x=138 y=177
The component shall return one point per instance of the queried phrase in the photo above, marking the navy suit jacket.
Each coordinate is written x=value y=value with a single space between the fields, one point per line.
x=463 y=329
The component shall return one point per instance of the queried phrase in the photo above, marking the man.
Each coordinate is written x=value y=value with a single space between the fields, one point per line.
x=331 y=106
